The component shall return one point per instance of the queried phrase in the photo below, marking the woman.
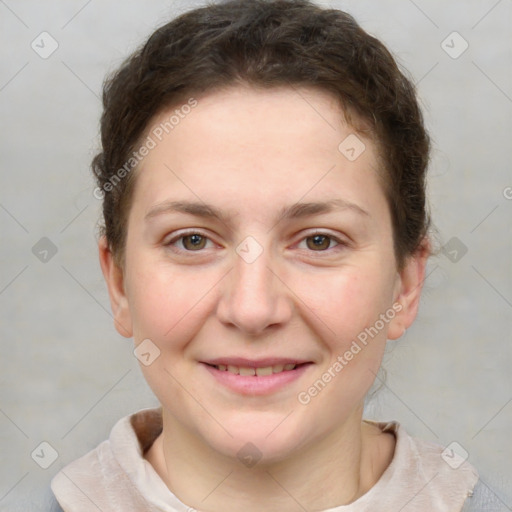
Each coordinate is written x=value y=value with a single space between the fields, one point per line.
x=263 y=182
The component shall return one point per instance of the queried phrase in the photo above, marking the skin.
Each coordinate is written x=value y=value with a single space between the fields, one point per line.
x=251 y=153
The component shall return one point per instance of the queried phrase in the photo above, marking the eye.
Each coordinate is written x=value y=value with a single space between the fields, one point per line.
x=190 y=242
x=194 y=242
x=320 y=242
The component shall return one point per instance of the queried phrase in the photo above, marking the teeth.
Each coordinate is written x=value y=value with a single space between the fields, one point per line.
x=264 y=371
x=233 y=369
x=267 y=370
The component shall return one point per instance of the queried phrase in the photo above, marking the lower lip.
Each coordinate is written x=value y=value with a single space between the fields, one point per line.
x=254 y=384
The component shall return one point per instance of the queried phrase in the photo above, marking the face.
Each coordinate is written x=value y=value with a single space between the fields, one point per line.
x=255 y=244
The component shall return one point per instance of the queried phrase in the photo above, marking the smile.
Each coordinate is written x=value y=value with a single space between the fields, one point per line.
x=256 y=377
x=250 y=371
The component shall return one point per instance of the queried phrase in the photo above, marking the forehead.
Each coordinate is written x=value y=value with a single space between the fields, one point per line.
x=242 y=142
x=276 y=117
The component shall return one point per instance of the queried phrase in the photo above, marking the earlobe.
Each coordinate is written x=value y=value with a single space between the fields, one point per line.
x=114 y=279
x=409 y=286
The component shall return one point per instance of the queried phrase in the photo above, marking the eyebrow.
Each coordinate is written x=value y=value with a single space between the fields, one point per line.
x=297 y=210
x=191 y=208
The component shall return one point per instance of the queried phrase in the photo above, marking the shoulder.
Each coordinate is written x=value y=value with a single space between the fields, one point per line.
x=87 y=479
x=425 y=476
x=114 y=464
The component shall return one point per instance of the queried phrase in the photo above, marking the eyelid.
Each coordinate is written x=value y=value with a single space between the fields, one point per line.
x=324 y=232
x=176 y=236
x=340 y=241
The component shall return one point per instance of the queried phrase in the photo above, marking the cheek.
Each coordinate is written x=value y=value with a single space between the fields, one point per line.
x=170 y=308
x=346 y=301
x=167 y=305
x=344 y=307
x=347 y=309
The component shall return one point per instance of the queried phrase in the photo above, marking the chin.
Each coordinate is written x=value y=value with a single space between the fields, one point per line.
x=257 y=440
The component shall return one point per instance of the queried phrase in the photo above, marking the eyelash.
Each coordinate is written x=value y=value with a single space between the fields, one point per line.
x=183 y=235
x=341 y=244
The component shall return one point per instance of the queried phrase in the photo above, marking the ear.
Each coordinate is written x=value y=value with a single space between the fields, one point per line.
x=114 y=278
x=408 y=290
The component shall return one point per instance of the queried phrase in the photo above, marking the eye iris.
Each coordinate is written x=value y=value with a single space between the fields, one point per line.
x=318 y=242
x=194 y=242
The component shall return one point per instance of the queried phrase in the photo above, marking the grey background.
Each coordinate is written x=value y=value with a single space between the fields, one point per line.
x=66 y=376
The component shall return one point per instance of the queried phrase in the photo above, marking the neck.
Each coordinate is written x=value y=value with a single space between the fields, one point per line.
x=331 y=471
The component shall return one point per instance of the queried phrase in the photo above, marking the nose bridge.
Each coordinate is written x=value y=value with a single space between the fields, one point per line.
x=253 y=279
x=253 y=298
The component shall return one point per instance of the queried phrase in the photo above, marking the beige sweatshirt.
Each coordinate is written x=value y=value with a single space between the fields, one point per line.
x=115 y=477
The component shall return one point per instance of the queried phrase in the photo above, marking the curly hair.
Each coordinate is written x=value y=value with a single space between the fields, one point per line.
x=267 y=43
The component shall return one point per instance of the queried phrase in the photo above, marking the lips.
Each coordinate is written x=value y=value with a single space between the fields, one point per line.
x=256 y=377
x=254 y=363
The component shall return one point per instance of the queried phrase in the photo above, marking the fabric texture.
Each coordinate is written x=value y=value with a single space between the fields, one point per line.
x=116 y=477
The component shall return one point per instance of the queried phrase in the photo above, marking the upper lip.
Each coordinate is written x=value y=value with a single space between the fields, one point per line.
x=254 y=363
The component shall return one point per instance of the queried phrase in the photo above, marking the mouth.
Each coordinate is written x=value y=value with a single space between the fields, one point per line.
x=262 y=377
x=259 y=371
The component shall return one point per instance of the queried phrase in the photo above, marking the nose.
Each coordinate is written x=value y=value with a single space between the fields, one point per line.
x=254 y=298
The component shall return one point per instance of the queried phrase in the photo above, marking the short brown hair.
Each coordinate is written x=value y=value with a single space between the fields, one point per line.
x=268 y=43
